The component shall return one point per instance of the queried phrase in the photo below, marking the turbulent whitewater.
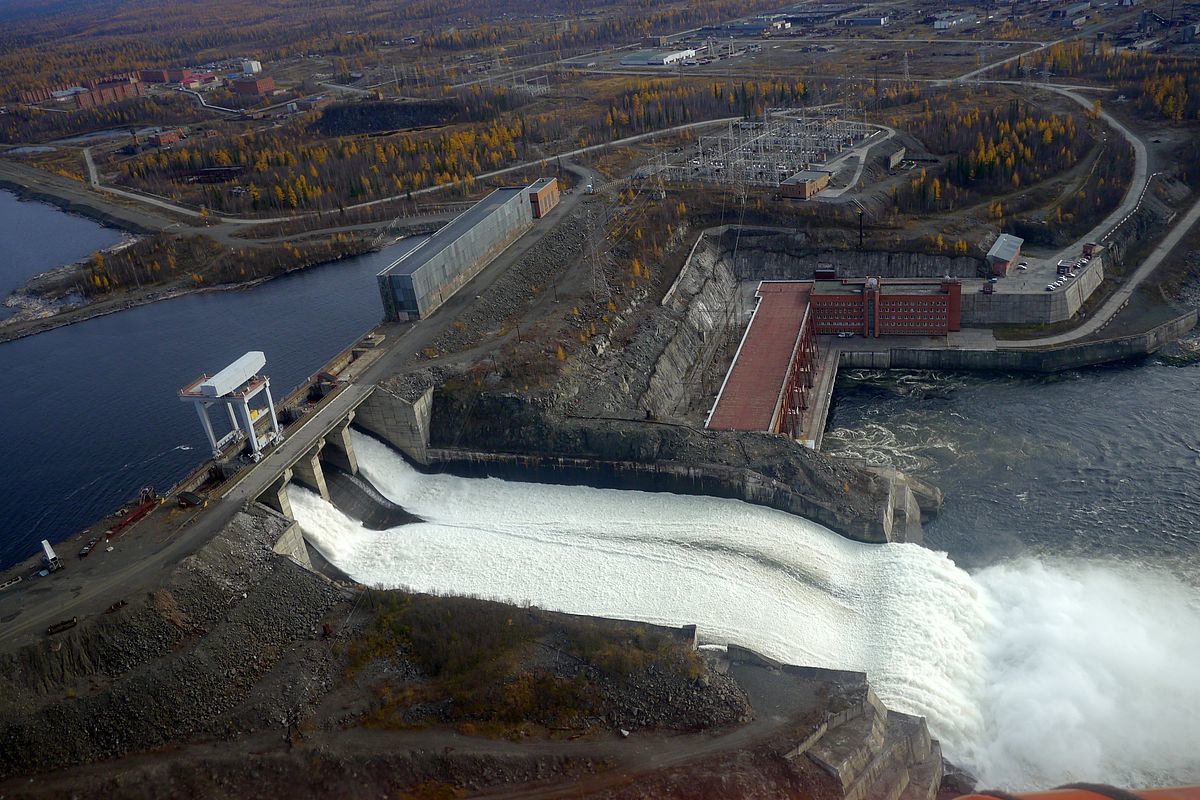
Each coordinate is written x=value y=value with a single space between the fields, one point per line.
x=1032 y=674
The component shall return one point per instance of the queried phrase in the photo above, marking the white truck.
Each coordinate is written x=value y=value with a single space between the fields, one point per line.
x=51 y=559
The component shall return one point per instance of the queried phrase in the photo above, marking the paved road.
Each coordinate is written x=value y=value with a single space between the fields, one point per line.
x=861 y=151
x=1122 y=295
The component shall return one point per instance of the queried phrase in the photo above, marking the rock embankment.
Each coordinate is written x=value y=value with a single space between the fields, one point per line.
x=214 y=649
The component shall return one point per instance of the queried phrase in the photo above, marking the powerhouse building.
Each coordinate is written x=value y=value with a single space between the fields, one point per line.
x=869 y=307
x=421 y=280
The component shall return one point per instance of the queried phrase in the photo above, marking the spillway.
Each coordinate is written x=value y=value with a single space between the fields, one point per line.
x=1031 y=673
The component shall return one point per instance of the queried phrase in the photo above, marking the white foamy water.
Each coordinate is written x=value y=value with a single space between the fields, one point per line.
x=1031 y=674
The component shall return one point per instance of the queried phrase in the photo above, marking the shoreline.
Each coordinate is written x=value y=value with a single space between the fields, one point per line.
x=67 y=206
x=147 y=297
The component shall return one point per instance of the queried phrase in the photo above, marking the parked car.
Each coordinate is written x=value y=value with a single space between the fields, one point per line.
x=1023 y=265
x=993 y=280
x=87 y=548
x=1050 y=287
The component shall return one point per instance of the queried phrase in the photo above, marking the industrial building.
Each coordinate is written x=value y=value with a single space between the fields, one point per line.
x=948 y=20
x=863 y=22
x=251 y=67
x=1005 y=253
x=903 y=307
x=1071 y=11
x=804 y=184
x=418 y=283
x=543 y=196
x=657 y=58
x=254 y=86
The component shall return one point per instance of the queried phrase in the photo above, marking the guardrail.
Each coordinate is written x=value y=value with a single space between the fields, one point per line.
x=1137 y=207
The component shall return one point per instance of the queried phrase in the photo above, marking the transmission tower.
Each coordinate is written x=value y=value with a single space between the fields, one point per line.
x=907 y=73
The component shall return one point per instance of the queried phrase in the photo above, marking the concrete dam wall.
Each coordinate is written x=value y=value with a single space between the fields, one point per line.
x=512 y=437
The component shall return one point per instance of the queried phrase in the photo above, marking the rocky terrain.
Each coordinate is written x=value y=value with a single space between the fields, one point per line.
x=244 y=669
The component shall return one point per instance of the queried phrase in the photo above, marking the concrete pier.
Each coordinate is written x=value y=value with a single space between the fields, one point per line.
x=275 y=496
x=308 y=471
x=339 y=449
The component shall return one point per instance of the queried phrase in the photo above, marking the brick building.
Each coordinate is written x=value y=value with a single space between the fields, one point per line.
x=254 y=86
x=164 y=138
x=543 y=196
x=869 y=307
x=110 y=92
x=1004 y=253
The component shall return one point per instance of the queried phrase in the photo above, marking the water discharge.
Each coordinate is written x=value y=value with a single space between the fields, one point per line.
x=1031 y=673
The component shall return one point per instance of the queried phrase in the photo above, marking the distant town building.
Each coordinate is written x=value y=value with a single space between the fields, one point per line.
x=178 y=75
x=1005 y=253
x=804 y=185
x=110 y=92
x=164 y=138
x=154 y=75
x=863 y=22
x=948 y=20
x=1071 y=11
x=254 y=87
x=251 y=67
x=657 y=58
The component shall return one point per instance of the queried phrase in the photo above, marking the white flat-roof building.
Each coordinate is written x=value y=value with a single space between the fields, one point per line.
x=657 y=58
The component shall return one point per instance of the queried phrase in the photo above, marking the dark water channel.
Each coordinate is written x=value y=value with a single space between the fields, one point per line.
x=90 y=412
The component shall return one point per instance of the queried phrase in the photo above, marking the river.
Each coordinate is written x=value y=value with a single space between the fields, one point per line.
x=1048 y=632
x=90 y=410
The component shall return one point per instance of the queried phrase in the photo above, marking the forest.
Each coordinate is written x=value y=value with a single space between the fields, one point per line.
x=194 y=262
x=292 y=167
x=1159 y=87
x=992 y=151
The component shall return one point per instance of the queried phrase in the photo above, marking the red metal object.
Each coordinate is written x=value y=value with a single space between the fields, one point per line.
x=767 y=386
x=148 y=501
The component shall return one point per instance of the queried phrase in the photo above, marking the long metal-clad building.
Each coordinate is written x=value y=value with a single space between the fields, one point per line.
x=421 y=280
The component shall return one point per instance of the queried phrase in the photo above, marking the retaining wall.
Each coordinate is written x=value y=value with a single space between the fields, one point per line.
x=1055 y=359
x=981 y=310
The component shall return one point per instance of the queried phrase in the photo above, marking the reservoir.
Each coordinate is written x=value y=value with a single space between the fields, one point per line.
x=90 y=410
x=35 y=237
